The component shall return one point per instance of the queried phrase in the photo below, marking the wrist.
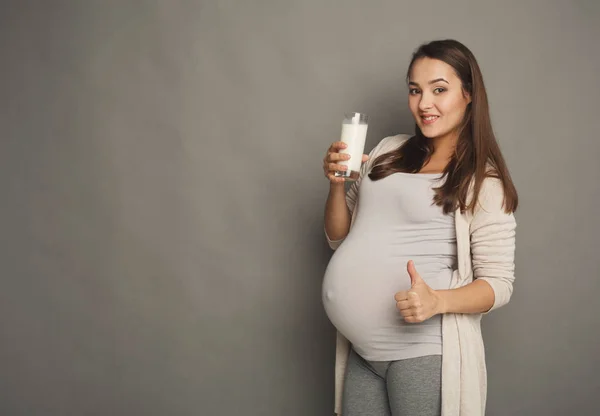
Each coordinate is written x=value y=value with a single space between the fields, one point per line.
x=337 y=187
x=442 y=304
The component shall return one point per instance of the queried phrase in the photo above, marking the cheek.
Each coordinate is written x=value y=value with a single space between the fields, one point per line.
x=453 y=106
x=413 y=103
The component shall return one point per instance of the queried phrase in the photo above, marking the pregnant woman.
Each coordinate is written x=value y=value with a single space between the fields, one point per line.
x=424 y=245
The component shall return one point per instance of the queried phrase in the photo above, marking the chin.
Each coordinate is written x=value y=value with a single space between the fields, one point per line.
x=433 y=132
x=429 y=132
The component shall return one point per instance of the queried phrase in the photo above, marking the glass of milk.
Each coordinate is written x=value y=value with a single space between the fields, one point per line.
x=354 y=134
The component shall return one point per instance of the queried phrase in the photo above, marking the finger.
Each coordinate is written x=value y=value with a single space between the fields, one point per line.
x=336 y=146
x=404 y=305
x=365 y=158
x=411 y=311
x=402 y=295
x=407 y=313
x=333 y=167
x=334 y=157
x=415 y=277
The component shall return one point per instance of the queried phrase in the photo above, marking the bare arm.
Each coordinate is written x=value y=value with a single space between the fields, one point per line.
x=476 y=297
x=337 y=215
x=337 y=212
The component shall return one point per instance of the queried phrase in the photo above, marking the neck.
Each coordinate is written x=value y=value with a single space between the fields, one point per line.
x=443 y=147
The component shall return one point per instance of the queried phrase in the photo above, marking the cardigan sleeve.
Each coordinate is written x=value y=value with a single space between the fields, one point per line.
x=352 y=194
x=493 y=242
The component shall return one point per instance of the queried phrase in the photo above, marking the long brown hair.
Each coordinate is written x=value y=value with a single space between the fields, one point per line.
x=477 y=154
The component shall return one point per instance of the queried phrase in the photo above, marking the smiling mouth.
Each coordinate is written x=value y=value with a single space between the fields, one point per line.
x=429 y=119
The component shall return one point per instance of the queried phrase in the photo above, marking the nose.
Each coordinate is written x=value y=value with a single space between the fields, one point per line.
x=425 y=103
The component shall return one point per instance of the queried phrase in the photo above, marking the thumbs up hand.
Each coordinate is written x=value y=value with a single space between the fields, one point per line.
x=420 y=302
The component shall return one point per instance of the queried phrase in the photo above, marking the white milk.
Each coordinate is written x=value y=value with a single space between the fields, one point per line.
x=354 y=135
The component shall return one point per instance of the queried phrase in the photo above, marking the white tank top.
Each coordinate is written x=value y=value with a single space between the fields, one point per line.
x=396 y=222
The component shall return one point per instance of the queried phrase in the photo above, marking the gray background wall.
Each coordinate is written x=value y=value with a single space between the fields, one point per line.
x=162 y=196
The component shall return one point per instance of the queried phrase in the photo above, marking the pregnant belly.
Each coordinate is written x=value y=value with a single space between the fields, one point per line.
x=359 y=287
x=358 y=292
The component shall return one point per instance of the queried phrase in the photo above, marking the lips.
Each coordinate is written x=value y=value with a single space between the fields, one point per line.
x=429 y=119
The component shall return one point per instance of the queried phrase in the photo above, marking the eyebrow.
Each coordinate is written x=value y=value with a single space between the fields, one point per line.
x=433 y=81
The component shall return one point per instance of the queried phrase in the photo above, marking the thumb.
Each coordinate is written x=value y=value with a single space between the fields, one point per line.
x=415 y=277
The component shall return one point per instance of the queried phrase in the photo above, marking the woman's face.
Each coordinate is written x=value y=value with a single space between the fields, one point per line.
x=436 y=98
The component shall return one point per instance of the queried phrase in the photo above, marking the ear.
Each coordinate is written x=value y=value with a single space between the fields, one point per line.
x=467 y=96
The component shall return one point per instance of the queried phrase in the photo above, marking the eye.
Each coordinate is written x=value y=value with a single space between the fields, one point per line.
x=413 y=91
x=439 y=90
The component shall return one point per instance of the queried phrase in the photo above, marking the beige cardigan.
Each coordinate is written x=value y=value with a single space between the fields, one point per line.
x=485 y=249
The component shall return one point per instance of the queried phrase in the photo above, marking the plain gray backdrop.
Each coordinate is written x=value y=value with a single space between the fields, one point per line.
x=162 y=196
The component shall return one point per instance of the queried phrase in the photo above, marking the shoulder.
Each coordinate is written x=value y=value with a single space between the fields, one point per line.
x=491 y=193
x=489 y=221
x=490 y=202
x=389 y=144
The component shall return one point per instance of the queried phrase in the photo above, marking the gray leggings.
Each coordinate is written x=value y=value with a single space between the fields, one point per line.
x=410 y=387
